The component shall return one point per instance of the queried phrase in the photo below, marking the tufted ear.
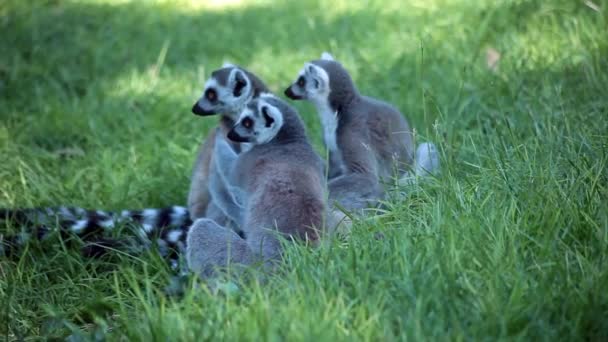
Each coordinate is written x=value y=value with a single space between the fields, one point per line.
x=237 y=81
x=268 y=120
x=271 y=114
x=327 y=56
x=311 y=69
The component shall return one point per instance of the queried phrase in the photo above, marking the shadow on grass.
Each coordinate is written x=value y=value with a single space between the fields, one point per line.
x=66 y=60
x=66 y=46
x=59 y=48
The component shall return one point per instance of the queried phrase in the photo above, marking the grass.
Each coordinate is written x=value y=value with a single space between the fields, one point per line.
x=511 y=242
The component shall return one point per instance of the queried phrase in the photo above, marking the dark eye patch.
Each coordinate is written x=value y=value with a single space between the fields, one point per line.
x=211 y=95
x=269 y=120
x=301 y=81
x=247 y=122
x=238 y=88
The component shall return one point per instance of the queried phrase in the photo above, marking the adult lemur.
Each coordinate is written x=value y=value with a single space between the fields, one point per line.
x=226 y=91
x=279 y=181
x=368 y=140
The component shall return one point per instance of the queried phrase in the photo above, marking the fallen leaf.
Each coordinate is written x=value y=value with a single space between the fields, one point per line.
x=492 y=59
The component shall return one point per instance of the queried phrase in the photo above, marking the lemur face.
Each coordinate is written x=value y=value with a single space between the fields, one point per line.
x=312 y=83
x=226 y=92
x=258 y=123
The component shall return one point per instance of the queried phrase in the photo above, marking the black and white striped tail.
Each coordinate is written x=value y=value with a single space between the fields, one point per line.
x=168 y=225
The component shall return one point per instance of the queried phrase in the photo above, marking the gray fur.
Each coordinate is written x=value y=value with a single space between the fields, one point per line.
x=427 y=159
x=282 y=183
x=373 y=139
x=211 y=245
x=199 y=197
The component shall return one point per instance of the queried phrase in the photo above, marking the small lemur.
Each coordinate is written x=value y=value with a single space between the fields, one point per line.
x=226 y=92
x=369 y=141
x=280 y=182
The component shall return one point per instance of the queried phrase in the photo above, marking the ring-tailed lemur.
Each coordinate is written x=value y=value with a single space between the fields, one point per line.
x=232 y=87
x=368 y=140
x=280 y=182
x=168 y=226
x=226 y=92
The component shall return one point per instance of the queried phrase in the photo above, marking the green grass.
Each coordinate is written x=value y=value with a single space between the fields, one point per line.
x=511 y=242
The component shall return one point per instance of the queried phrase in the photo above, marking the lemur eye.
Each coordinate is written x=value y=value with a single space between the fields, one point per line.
x=301 y=81
x=211 y=95
x=238 y=88
x=247 y=122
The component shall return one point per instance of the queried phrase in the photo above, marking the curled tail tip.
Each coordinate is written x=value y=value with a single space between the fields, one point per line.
x=427 y=159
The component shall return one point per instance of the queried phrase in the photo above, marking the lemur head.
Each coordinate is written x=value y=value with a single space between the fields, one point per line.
x=227 y=92
x=259 y=122
x=321 y=81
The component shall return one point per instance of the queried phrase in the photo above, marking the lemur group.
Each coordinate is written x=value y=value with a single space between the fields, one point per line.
x=257 y=182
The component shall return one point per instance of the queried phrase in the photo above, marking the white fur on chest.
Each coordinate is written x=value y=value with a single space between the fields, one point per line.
x=246 y=147
x=329 y=121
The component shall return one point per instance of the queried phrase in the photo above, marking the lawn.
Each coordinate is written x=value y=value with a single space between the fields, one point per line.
x=509 y=242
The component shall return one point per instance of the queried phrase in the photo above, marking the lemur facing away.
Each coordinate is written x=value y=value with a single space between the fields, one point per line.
x=368 y=140
x=280 y=182
x=226 y=92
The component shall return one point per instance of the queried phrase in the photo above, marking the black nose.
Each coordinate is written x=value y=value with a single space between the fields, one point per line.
x=289 y=93
x=198 y=110
x=234 y=136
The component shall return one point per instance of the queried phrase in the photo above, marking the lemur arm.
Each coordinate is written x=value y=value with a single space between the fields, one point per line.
x=227 y=196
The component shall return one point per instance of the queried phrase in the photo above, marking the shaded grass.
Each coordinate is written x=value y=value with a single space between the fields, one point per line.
x=510 y=242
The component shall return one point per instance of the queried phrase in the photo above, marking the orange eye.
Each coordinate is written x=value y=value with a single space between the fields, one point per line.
x=247 y=122
x=211 y=95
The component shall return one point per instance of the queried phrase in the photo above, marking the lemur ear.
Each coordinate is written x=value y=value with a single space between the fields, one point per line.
x=272 y=115
x=237 y=81
x=227 y=64
x=268 y=120
x=327 y=56
x=311 y=69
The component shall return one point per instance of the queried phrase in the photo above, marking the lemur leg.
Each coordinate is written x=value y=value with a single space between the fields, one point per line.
x=210 y=246
x=355 y=191
x=216 y=214
x=336 y=166
x=336 y=221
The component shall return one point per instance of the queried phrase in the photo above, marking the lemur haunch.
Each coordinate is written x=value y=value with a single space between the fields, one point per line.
x=280 y=182
x=226 y=92
x=368 y=140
